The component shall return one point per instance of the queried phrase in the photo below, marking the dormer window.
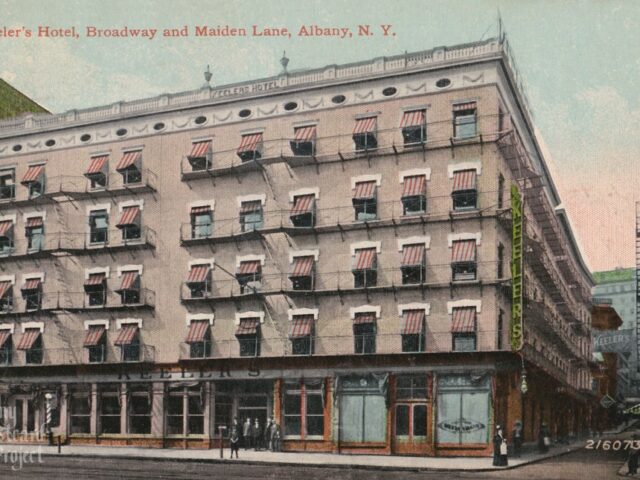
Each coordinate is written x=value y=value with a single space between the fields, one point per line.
x=130 y=167
x=200 y=156
x=34 y=180
x=250 y=147
x=364 y=134
x=304 y=141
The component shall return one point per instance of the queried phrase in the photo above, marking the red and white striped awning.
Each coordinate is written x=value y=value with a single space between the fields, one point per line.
x=128 y=159
x=414 y=186
x=199 y=273
x=34 y=222
x=251 y=207
x=364 y=317
x=31 y=284
x=197 y=331
x=95 y=279
x=302 y=204
x=364 y=125
x=463 y=320
x=458 y=107
x=5 y=228
x=4 y=336
x=34 y=172
x=4 y=288
x=301 y=326
x=364 y=190
x=94 y=335
x=302 y=266
x=365 y=259
x=248 y=326
x=200 y=149
x=130 y=216
x=464 y=180
x=250 y=142
x=463 y=251
x=413 y=255
x=305 y=134
x=413 y=322
x=413 y=118
x=28 y=339
x=97 y=164
x=200 y=210
x=127 y=334
x=130 y=281
x=249 y=267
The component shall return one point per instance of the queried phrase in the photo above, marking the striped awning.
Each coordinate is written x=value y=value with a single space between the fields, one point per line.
x=301 y=326
x=302 y=204
x=130 y=281
x=31 y=284
x=127 y=334
x=34 y=222
x=413 y=118
x=95 y=279
x=204 y=209
x=34 y=172
x=94 y=335
x=4 y=336
x=199 y=273
x=413 y=322
x=305 y=134
x=249 y=267
x=197 y=331
x=463 y=251
x=463 y=320
x=250 y=142
x=414 y=185
x=4 y=288
x=302 y=266
x=364 y=125
x=128 y=159
x=130 y=216
x=364 y=190
x=413 y=255
x=251 y=207
x=97 y=164
x=28 y=339
x=464 y=180
x=458 y=107
x=365 y=259
x=248 y=326
x=5 y=228
x=200 y=149
x=364 y=317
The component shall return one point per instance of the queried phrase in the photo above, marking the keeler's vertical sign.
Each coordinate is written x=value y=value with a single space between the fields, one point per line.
x=516 y=269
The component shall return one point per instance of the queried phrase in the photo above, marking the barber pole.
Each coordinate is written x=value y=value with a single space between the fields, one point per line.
x=48 y=407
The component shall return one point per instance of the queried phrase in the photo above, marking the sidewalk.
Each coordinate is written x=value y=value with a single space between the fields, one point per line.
x=326 y=460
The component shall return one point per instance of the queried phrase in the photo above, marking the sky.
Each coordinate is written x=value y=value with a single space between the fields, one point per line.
x=580 y=61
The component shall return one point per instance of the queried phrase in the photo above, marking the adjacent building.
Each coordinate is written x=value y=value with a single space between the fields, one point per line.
x=342 y=249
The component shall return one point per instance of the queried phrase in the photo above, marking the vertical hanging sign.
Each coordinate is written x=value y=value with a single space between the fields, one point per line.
x=515 y=328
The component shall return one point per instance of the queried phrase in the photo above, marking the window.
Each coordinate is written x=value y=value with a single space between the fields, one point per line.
x=96 y=172
x=130 y=167
x=465 y=193
x=130 y=222
x=129 y=342
x=6 y=296
x=32 y=294
x=411 y=408
x=464 y=120
x=303 y=211
x=500 y=329
x=250 y=147
x=95 y=341
x=200 y=156
x=185 y=410
x=463 y=260
x=6 y=347
x=304 y=141
x=414 y=127
x=95 y=286
x=7 y=184
x=6 y=237
x=34 y=180
x=500 y=191
x=364 y=201
x=199 y=339
x=199 y=280
x=140 y=403
x=302 y=335
x=34 y=231
x=500 y=260
x=251 y=216
x=413 y=331
x=463 y=329
x=130 y=288
x=201 y=222
x=79 y=409
x=365 y=273
x=364 y=333
x=414 y=198
x=302 y=275
x=249 y=276
x=413 y=264
x=363 y=409
x=98 y=226
x=31 y=344
x=248 y=335
x=364 y=134
x=109 y=404
x=303 y=408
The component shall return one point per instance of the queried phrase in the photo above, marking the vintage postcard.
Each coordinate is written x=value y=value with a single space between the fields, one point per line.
x=330 y=239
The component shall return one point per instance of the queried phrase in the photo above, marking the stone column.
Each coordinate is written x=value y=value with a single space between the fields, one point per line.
x=124 y=409
x=211 y=416
x=207 y=411
x=93 y=422
x=63 y=405
x=157 y=410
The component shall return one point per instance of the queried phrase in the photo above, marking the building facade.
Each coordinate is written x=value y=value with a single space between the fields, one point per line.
x=332 y=248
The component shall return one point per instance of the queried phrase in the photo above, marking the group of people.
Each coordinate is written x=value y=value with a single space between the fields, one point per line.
x=253 y=435
x=501 y=449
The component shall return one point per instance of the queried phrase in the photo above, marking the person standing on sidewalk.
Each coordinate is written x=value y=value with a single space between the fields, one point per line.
x=267 y=434
x=234 y=440
x=246 y=433
x=500 y=458
x=275 y=438
x=544 y=440
x=256 y=435
x=516 y=434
